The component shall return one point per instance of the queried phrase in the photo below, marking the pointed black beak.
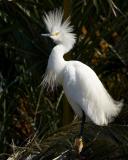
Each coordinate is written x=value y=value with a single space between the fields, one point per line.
x=45 y=35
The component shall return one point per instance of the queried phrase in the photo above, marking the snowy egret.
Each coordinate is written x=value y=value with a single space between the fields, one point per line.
x=82 y=87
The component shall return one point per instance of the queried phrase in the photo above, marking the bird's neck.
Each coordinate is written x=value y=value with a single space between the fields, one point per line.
x=56 y=62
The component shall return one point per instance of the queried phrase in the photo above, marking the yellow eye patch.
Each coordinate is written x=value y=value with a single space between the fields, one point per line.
x=55 y=34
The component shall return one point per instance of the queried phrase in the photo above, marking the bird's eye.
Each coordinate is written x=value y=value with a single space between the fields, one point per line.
x=55 y=34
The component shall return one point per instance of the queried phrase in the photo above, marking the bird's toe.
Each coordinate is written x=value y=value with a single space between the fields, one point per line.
x=79 y=144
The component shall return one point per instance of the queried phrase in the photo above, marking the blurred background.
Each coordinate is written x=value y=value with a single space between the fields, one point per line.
x=102 y=43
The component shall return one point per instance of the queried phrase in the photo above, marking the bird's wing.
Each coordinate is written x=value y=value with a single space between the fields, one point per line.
x=83 y=87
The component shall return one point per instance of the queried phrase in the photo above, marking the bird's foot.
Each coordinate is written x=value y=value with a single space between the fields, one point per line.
x=79 y=144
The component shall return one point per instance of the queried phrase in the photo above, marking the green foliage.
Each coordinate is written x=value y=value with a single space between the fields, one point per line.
x=102 y=36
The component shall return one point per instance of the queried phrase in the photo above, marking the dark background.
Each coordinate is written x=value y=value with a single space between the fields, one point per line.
x=102 y=43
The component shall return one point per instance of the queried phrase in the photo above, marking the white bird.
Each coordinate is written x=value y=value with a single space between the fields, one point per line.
x=82 y=87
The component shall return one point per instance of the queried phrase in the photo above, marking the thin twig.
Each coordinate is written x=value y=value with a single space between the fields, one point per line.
x=62 y=155
x=38 y=104
x=59 y=99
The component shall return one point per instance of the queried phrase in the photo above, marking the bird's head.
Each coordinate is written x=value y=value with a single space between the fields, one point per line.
x=60 y=31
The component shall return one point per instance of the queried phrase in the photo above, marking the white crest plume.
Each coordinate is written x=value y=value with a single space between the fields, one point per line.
x=54 y=23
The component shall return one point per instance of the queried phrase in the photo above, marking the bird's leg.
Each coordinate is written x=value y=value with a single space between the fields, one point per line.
x=79 y=141
x=82 y=124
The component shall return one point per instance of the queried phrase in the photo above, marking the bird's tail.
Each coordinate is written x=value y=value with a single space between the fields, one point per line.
x=102 y=109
